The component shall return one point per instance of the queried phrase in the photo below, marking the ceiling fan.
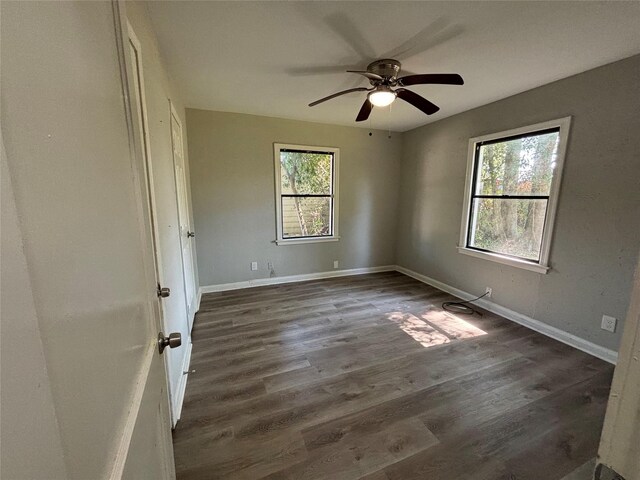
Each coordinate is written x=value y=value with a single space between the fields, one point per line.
x=383 y=77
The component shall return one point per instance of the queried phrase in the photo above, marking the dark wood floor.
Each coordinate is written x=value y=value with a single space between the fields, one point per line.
x=366 y=377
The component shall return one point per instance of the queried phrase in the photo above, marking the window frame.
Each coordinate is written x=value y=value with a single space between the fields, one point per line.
x=334 y=237
x=542 y=265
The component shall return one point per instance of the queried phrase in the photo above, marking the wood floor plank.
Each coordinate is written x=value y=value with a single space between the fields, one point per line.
x=294 y=378
x=583 y=472
x=364 y=454
x=242 y=459
x=508 y=438
x=342 y=394
x=242 y=373
x=448 y=397
x=367 y=378
x=379 y=475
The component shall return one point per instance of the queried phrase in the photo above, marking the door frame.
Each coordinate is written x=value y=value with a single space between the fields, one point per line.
x=618 y=450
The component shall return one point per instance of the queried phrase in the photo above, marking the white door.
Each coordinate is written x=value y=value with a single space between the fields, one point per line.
x=159 y=174
x=149 y=452
x=186 y=233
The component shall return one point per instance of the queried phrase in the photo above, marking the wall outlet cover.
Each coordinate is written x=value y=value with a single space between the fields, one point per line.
x=254 y=266
x=608 y=323
x=335 y=264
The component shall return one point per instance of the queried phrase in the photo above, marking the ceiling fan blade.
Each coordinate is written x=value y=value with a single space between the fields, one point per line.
x=365 y=111
x=407 y=72
x=369 y=75
x=351 y=34
x=431 y=78
x=437 y=32
x=358 y=89
x=319 y=70
x=417 y=101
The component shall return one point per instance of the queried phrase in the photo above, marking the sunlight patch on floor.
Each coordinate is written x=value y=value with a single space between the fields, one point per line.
x=435 y=327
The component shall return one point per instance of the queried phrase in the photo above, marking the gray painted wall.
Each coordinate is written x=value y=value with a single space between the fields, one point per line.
x=31 y=446
x=597 y=231
x=232 y=178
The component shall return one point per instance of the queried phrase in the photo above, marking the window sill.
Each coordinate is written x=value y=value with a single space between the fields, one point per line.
x=300 y=241
x=513 y=262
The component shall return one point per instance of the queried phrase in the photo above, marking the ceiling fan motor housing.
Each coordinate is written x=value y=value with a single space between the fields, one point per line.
x=387 y=68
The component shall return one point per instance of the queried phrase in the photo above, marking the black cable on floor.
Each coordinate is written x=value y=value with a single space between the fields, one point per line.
x=462 y=307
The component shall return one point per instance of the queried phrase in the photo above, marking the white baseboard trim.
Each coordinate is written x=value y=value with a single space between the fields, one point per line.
x=260 y=282
x=178 y=398
x=605 y=354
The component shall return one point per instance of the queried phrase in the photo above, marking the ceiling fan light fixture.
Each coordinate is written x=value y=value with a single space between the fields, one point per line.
x=382 y=96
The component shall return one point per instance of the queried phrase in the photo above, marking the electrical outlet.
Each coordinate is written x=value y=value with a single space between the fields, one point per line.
x=335 y=264
x=269 y=266
x=488 y=291
x=254 y=266
x=608 y=323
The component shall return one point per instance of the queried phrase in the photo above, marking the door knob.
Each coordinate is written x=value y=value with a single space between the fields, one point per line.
x=172 y=341
x=191 y=234
x=163 y=292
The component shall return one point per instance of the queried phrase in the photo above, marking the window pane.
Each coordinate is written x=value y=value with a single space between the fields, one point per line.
x=508 y=226
x=306 y=216
x=305 y=173
x=522 y=166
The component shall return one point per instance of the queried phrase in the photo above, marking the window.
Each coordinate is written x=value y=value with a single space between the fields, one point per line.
x=306 y=193
x=513 y=179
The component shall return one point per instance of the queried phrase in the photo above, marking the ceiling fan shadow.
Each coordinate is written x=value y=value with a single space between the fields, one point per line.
x=344 y=27
x=437 y=32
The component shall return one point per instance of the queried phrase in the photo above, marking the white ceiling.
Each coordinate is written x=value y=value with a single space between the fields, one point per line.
x=255 y=57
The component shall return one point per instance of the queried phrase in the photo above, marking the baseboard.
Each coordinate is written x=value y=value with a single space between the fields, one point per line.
x=605 y=354
x=182 y=386
x=260 y=282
